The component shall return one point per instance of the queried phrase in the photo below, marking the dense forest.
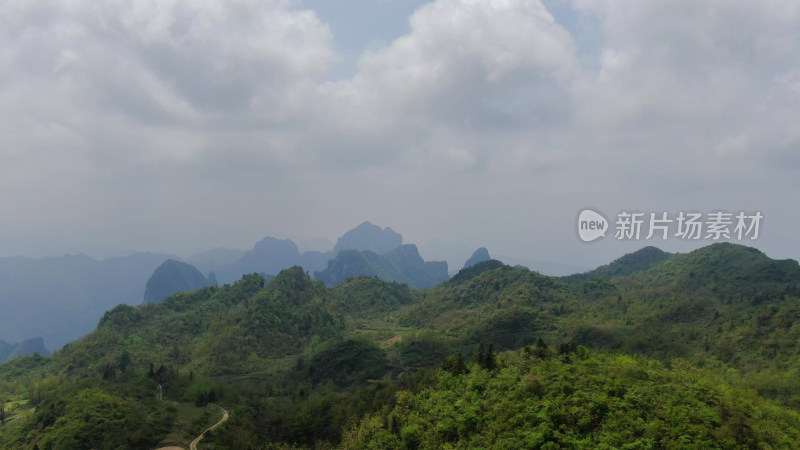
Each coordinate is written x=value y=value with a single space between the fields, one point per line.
x=654 y=350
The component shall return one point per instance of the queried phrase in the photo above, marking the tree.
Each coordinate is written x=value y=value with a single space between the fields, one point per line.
x=486 y=359
x=124 y=360
x=541 y=350
x=455 y=364
x=491 y=359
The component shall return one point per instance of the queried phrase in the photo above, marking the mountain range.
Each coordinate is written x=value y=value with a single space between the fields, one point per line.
x=402 y=265
x=60 y=299
x=654 y=349
x=366 y=250
x=270 y=255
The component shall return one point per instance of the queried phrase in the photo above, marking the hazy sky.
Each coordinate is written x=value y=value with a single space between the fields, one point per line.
x=180 y=125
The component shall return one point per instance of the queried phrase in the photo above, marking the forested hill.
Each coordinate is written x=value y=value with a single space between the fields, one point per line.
x=298 y=363
x=216 y=329
x=723 y=268
x=540 y=398
x=637 y=261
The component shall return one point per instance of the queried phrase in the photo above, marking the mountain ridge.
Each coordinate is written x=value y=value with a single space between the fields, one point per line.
x=27 y=347
x=403 y=264
x=302 y=364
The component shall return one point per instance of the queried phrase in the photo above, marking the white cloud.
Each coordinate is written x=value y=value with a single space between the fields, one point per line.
x=456 y=41
x=469 y=49
x=464 y=69
x=175 y=62
x=691 y=80
x=244 y=103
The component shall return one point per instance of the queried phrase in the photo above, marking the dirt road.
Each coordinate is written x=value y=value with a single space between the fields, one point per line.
x=193 y=445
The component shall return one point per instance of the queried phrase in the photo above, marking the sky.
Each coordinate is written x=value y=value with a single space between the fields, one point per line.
x=181 y=125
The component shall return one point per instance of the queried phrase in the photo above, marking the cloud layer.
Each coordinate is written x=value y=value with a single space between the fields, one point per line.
x=179 y=125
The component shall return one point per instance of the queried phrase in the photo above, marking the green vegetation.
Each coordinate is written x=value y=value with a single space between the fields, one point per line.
x=367 y=296
x=578 y=400
x=474 y=270
x=637 y=261
x=94 y=418
x=346 y=363
x=497 y=356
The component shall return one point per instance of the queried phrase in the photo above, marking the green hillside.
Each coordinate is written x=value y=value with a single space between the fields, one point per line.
x=535 y=399
x=215 y=330
x=723 y=305
x=637 y=261
x=297 y=363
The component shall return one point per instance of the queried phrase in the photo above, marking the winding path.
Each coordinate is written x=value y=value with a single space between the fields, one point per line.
x=193 y=445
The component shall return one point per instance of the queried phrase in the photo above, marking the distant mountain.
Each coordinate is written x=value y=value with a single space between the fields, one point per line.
x=455 y=255
x=402 y=265
x=724 y=269
x=214 y=258
x=24 y=348
x=479 y=255
x=351 y=263
x=312 y=261
x=269 y=256
x=738 y=268
x=172 y=277
x=421 y=273
x=551 y=268
x=467 y=273
x=61 y=299
x=369 y=237
x=318 y=244
x=637 y=261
